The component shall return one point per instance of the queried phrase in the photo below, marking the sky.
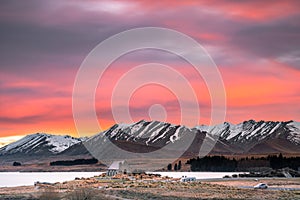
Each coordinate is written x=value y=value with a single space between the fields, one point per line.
x=255 y=45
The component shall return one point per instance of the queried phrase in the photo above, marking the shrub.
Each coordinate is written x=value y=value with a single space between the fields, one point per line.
x=16 y=164
x=234 y=175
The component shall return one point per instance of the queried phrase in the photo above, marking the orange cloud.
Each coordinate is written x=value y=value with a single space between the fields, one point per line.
x=249 y=40
x=252 y=10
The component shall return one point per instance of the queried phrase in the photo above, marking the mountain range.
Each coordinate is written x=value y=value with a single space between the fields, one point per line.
x=248 y=137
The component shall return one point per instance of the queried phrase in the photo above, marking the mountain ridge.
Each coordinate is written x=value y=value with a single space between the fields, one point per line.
x=248 y=137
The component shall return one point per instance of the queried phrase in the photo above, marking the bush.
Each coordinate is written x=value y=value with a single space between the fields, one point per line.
x=16 y=164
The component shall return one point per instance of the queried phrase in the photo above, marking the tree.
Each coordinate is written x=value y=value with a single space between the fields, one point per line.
x=175 y=167
x=170 y=167
x=179 y=165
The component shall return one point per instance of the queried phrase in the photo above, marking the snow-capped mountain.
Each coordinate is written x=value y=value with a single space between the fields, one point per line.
x=257 y=137
x=149 y=133
x=252 y=130
x=41 y=144
x=144 y=139
x=248 y=137
x=154 y=132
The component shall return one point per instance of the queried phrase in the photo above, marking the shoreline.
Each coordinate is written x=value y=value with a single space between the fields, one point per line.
x=222 y=181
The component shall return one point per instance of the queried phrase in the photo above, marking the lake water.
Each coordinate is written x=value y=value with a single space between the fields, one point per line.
x=197 y=175
x=11 y=179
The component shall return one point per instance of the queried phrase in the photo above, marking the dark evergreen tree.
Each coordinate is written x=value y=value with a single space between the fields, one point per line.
x=170 y=167
x=179 y=165
x=175 y=167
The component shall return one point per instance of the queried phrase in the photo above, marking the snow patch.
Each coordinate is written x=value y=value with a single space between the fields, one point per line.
x=61 y=143
x=57 y=143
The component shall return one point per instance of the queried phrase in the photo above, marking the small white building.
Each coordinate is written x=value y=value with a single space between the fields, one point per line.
x=118 y=167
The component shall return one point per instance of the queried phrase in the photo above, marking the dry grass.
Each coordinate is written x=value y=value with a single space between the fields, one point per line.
x=81 y=193
x=49 y=194
x=111 y=189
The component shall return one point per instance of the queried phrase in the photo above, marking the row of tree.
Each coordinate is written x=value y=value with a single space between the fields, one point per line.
x=213 y=163
x=221 y=163
x=74 y=162
x=177 y=166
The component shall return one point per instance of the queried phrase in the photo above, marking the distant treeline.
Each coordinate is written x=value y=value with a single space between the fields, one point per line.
x=74 y=162
x=221 y=163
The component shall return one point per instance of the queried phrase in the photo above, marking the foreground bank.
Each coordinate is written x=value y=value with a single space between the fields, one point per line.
x=143 y=186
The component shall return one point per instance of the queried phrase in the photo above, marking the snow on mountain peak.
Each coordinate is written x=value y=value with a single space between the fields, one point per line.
x=147 y=131
x=20 y=142
x=295 y=131
x=61 y=143
x=158 y=133
x=251 y=129
x=294 y=124
x=54 y=143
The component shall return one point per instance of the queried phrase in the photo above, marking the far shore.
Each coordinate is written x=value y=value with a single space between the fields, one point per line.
x=45 y=167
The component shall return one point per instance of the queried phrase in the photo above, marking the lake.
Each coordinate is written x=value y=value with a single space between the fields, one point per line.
x=11 y=179
x=197 y=175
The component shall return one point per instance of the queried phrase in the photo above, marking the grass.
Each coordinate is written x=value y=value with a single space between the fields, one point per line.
x=93 y=189
x=49 y=193
x=146 y=196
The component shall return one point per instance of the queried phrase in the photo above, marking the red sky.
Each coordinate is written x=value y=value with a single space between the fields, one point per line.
x=255 y=45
